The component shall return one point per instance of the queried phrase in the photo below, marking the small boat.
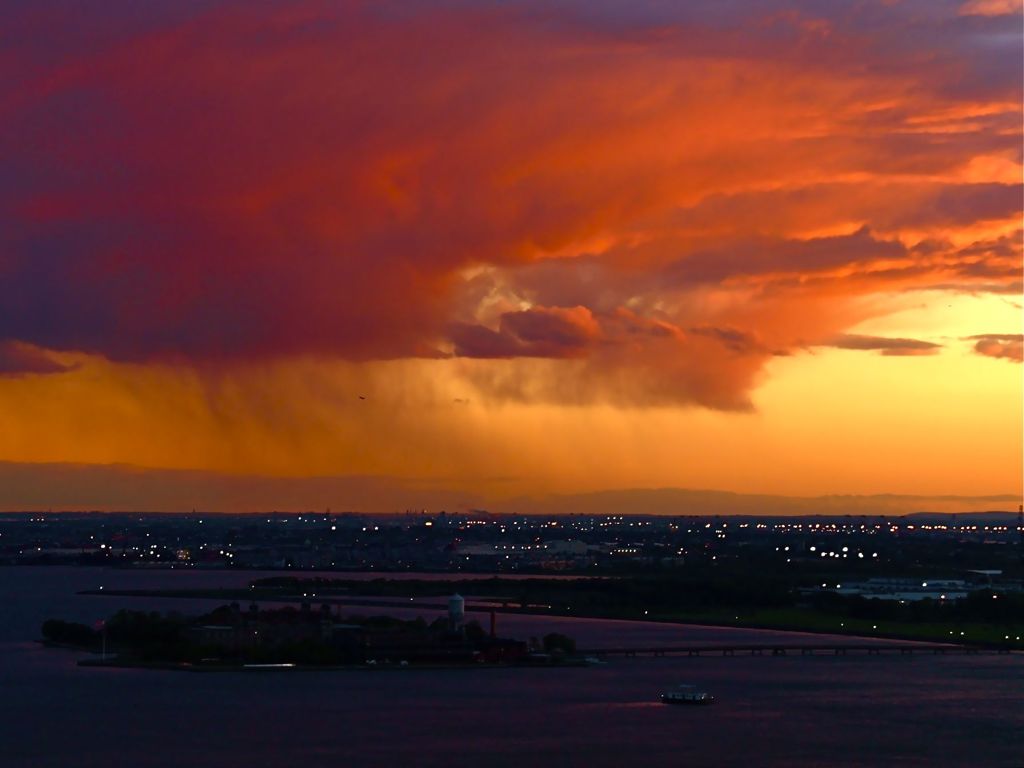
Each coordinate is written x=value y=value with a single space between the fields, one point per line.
x=687 y=694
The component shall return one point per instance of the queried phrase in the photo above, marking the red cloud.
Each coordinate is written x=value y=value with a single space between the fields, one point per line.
x=255 y=181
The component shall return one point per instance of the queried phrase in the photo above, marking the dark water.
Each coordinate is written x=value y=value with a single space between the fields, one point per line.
x=790 y=711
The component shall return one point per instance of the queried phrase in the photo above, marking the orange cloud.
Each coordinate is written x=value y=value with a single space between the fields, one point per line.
x=1005 y=346
x=990 y=7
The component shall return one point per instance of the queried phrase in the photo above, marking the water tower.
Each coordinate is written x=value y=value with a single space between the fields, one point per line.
x=456 y=611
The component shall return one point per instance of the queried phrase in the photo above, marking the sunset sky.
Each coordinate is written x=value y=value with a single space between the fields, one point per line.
x=397 y=254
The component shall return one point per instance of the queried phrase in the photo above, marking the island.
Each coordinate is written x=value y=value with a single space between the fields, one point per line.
x=230 y=637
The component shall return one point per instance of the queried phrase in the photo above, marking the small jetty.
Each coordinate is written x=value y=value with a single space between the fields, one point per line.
x=817 y=649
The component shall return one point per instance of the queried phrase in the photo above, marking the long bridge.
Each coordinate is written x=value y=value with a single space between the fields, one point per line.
x=818 y=649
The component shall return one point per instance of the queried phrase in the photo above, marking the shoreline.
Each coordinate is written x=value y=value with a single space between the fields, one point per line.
x=172 y=666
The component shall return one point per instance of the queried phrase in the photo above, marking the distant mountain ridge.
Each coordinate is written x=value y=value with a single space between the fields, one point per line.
x=979 y=517
x=26 y=486
x=680 y=501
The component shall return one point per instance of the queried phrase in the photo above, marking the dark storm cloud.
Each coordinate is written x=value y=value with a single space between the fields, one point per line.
x=17 y=359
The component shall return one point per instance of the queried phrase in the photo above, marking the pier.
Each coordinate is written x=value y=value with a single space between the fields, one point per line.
x=818 y=649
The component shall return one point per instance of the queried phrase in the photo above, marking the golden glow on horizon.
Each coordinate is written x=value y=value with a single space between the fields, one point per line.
x=832 y=421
